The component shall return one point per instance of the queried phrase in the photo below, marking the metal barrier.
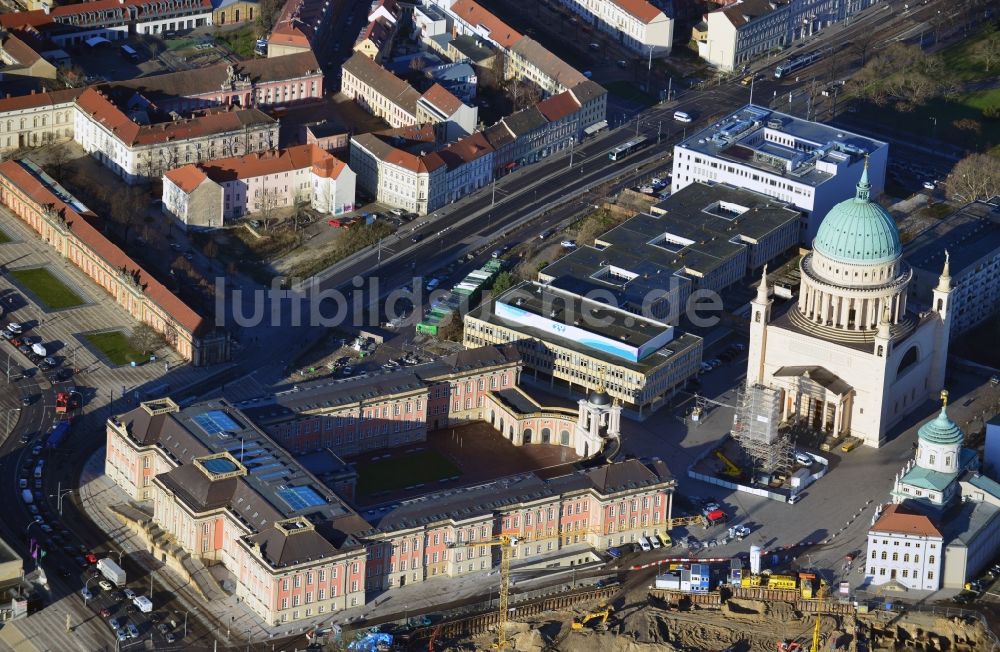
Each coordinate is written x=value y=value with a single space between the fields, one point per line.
x=484 y=622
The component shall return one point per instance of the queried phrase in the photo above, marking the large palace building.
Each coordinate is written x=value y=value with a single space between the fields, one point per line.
x=213 y=488
x=848 y=356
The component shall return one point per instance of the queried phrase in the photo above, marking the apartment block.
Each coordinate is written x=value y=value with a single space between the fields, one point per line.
x=210 y=193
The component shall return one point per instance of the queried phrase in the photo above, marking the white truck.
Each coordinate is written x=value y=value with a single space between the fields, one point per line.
x=144 y=604
x=112 y=571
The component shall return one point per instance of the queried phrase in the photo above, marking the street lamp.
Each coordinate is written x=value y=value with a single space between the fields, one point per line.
x=9 y=410
x=86 y=588
x=33 y=522
x=59 y=495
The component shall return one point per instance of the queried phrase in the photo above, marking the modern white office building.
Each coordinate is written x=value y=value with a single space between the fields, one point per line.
x=744 y=30
x=810 y=165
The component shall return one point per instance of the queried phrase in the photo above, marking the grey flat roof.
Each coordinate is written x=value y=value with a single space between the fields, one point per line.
x=964 y=524
x=466 y=503
x=681 y=341
x=717 y=219
x=738 y=138
x=331 y=393
x=968 y=234
x=568 y=308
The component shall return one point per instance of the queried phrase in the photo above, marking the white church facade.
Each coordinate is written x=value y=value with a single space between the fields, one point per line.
x=848 y=356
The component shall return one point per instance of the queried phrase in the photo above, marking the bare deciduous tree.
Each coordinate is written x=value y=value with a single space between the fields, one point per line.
x=975 y=177
x=145 y=339
x=987 y=51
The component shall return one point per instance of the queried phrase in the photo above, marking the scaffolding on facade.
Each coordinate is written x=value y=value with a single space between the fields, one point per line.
x=755 y=429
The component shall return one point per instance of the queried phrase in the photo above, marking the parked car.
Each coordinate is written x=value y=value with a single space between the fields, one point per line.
x=133 y=631
x=121 y=635
x=106 y=585
x=568 y=244
x=805 y=459
x=91 y=558
x=930 y=185
x=129 y=593
x=15 y=328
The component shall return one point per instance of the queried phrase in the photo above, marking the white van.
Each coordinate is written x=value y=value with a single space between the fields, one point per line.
x=653 y=541
x=682 y=116
x=144 y=604
x=644 y=544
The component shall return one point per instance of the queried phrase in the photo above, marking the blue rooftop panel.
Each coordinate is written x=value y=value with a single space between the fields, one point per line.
x=300 y=497
x=219 y=465
x=216 y=421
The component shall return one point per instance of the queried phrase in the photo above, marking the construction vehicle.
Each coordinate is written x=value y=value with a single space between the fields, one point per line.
x=731 y=469
x=601 y=615
x=506 y=543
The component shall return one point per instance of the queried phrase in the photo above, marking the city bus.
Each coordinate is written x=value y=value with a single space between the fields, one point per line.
x=796 y=64
x=627 y=148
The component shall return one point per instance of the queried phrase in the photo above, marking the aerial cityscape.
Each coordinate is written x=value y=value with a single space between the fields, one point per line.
x=569 y=325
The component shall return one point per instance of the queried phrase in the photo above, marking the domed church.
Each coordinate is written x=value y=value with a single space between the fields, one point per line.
x=848 y=356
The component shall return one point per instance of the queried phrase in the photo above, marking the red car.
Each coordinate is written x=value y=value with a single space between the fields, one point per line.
x=91 y=558
x=105 y=613
x=334 y=223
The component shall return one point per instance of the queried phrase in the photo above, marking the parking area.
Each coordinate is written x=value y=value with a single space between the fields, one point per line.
x=60 y=332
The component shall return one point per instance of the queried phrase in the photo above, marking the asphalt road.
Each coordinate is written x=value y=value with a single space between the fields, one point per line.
x=554 y=189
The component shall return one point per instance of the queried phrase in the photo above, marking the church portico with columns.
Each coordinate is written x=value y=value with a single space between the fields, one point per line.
x=847 y=355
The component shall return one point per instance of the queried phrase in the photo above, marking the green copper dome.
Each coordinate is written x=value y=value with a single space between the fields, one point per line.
x=942 y=430
x=858 y=230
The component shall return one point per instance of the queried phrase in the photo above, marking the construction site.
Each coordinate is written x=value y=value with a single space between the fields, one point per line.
x=711 y=605
x=760 y=455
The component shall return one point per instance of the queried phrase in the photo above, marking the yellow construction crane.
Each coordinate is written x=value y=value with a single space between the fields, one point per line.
x=507 y=543
x=819 y=615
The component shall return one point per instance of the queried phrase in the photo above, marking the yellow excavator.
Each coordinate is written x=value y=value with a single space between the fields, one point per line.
x=731 y=469
x=600 y=615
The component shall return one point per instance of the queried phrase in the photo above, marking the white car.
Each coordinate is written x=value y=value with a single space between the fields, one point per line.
x=129 y=593
x=805 y=459
x=705 y=367
x=929 y=185
x=15 y=328
x=106 y=585
x=568 y=244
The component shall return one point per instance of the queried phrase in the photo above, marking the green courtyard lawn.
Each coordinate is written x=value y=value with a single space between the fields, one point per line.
x=55 y=294
x=115 y=347
x=242 y=41
x=403 y=470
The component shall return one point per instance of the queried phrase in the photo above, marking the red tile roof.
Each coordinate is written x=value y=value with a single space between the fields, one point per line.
x=187 y=177
x=640 y=9
x=35 y=18
x=465 y=150
x=322 y=163
x=475 y=14
x=440 y=97
x=100 y=246
x=96 y=13
x=102 y=110
x=558 y=106
x=20 y=51
x=34 y=100
x=394 y=156
x=897 y=519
